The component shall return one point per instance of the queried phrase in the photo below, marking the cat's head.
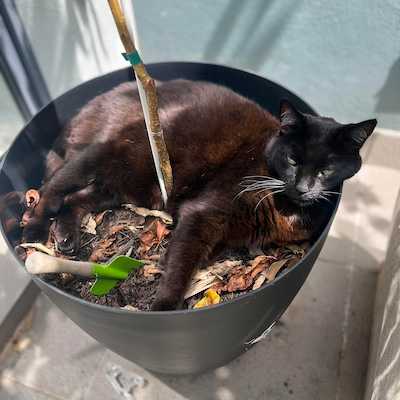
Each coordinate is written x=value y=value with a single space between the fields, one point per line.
x=312 y=155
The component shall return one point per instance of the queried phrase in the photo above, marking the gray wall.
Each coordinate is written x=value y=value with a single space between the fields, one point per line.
x=342 y=56
x=383 y=381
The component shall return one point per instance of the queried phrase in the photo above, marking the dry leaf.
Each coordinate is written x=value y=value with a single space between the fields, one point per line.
x=200 y=286
x=153 y=234
x=161 y=230
x=274 y=268
x=256 y=262
x=220 y=268
x=259 y=281
x=150 y=270
x=218 y=287
x=99 y=217
x=239 y=282
x=295 y=249
x=132 y=228
x=88 y=224
x=102 y=250
x=145 y=212
x=256 y=271
x=117 y=228
x=292 y=262
x=210 y=297
x=147 y=239
x=130 y=308
x=210 y=276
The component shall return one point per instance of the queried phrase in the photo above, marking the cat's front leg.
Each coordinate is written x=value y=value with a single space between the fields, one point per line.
x=74 y=175
x=201 y=228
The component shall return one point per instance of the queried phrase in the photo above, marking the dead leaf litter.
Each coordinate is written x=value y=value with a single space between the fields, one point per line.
x=143 y=234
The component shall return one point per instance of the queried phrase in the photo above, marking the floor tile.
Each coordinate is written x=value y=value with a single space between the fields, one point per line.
x=61 y=358
x=303 y=357
x=152 y=388
x=10 y=390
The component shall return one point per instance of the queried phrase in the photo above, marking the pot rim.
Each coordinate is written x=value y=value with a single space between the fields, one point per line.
x=210 y=308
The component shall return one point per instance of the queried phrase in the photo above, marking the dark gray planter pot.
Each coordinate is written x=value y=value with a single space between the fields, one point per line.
x=178 y=342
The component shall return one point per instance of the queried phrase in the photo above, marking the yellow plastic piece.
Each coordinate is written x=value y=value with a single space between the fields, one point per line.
x=210 y=297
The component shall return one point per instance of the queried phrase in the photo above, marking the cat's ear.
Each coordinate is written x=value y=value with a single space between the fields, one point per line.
x=357 y=134
x=289 y=116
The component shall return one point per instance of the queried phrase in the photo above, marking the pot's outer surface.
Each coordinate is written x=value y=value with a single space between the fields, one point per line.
x=178 y=342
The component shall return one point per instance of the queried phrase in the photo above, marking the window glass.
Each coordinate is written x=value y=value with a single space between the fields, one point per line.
x=11 y=120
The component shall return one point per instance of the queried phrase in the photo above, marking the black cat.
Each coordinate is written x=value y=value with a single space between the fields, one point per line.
x=241 y=176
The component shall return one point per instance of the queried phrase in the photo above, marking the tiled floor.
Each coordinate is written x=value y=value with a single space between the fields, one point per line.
x=318 y=351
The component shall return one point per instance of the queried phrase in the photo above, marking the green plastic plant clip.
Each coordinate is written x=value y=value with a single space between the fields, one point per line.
x=133 y=57
x=108 y=275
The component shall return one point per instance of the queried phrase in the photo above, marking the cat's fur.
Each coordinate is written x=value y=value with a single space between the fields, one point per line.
x=215 y=138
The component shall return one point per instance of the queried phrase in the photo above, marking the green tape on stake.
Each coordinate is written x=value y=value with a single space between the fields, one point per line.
x=133 y=57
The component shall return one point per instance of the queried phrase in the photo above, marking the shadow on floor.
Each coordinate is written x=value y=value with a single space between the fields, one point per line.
x=302 y=360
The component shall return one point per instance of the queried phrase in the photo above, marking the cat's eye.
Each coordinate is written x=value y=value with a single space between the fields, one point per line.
x=323 y=173
x=291 y=161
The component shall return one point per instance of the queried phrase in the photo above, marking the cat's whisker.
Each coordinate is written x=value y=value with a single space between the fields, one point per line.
x=252 y=189
x=265 y=182
x=261 y=190
x=256 y=187
x=262 y=180
x=330 y=192
x=247 y=189
x=322 y=197
x=262 y=177
x=261 y=185
x=267 y=195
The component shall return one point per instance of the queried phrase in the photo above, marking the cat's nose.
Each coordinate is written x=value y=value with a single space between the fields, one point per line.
x=302 y=187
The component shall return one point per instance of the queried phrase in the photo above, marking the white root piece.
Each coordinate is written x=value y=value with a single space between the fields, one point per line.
x=40 y=263
x=38 y=246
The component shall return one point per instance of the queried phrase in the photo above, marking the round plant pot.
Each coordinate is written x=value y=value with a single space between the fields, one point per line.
x=176 y=342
